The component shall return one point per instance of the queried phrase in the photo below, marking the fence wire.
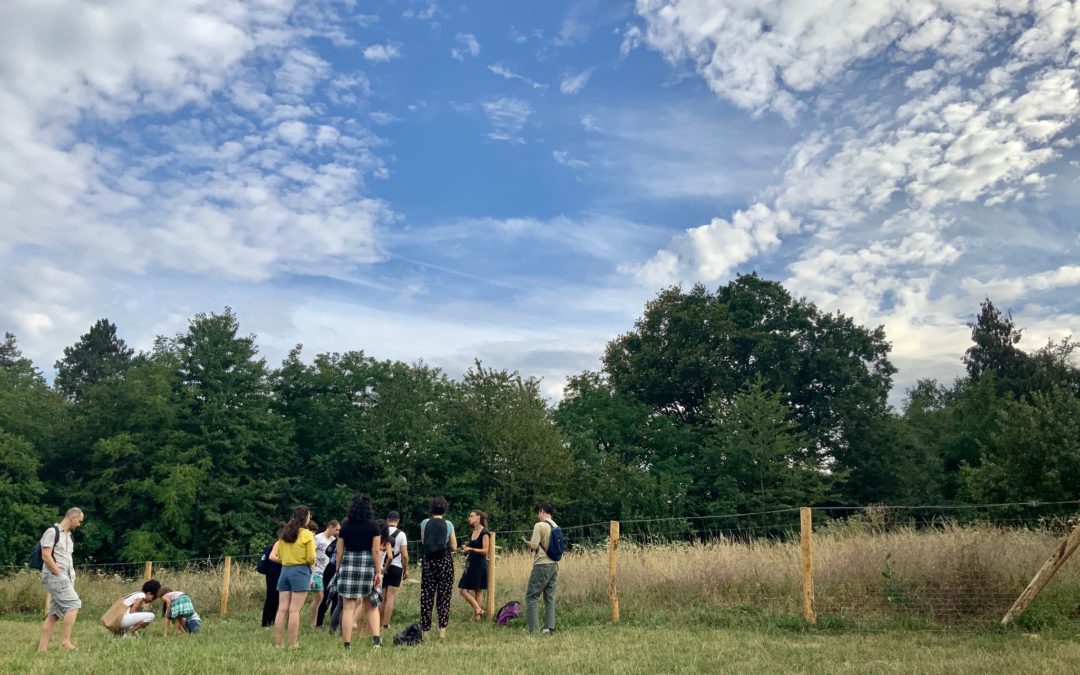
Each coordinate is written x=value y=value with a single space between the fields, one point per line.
x=936 y=566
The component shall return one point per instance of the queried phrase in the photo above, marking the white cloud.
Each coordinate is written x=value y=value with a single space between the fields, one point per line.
x=508 y=117
x=930 y=120
x=301 y=71
x=563 y=157
x=467 y=45
x=425 y=14
x=574 y=82
x=382 y=53
x=588 y=123
x=508 y=74
x=380 y=117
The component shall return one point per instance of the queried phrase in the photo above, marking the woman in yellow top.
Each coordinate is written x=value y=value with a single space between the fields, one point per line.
x=296 y=553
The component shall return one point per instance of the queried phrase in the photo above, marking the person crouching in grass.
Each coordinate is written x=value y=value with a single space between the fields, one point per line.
x=179 y=610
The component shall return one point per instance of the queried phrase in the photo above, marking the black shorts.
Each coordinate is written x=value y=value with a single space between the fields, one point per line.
x=392 y=578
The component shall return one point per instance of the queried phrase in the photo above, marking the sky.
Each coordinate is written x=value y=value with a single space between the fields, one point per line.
x=513 y=181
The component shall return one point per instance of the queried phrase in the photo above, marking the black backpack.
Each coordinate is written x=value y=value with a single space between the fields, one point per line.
x=436 y=538
x=35 y=561
x=412 y=635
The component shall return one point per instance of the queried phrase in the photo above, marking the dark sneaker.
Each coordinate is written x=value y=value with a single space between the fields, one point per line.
x=376 y=641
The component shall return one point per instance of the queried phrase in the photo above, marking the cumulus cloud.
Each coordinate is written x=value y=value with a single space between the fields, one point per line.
x=575 y=82
x=927 y=116
x=508 y=117
x=108 y=178
x=467 y=45
x=382 y=53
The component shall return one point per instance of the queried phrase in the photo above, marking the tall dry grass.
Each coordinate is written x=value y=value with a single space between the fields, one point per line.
x=951 y=574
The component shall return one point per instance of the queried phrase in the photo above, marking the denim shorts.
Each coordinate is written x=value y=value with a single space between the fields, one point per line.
x=193 y=625
x=295 y=579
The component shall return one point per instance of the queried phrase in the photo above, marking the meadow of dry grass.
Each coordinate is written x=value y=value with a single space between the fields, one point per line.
x=949 y=575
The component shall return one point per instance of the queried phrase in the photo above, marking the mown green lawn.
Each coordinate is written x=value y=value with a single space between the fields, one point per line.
x=584 y=645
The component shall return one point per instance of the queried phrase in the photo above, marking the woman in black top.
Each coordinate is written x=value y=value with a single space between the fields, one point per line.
x=358 y=547
x=272 y=570
x=474 y=580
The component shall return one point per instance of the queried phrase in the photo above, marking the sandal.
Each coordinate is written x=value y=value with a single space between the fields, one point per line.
x=477 y=616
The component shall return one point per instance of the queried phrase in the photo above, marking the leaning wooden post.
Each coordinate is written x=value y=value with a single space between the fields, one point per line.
x=806 y=533
x=491 y=576
x=1045 y=573
x=225 y=587
x=148 y=570
x=613 y=570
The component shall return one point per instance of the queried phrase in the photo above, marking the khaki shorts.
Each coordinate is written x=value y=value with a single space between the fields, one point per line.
x=62 y=595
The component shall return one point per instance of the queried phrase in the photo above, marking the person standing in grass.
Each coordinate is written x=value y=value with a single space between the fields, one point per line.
x=296 y=553
x=272 y=571
x=323 y=541
x=399 y=566
x=58 y=578
x=474 y=579
x=358 y=548
x=545 y=571
x=437 y=576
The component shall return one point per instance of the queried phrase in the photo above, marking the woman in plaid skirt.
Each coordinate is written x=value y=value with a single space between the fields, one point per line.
x=358 y=548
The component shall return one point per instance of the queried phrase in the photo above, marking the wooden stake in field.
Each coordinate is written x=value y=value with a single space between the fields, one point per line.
x=148 y=570
x=1044 y=575
x=225 y=587
x=613 y=570
x=806 y=533
x=491 y=576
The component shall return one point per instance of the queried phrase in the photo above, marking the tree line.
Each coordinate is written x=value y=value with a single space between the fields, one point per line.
x=731 y=400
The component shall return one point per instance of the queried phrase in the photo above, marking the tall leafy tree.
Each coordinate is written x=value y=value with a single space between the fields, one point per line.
x=98 y=355
x=240 y=465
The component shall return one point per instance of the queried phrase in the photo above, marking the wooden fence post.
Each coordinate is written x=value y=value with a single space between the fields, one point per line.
x=1045 y=573
x=491 y=576
x=225 y=587
x=613 y=570
x=806 y=533
x=148 y=571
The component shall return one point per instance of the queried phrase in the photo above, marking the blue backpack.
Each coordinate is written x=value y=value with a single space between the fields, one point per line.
x=556 y=543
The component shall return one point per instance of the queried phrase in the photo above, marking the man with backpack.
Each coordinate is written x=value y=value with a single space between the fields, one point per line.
x=547 y=546
x=53 y=556
x=399 y=567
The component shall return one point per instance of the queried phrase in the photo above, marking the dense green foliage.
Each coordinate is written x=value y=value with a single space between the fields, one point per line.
x=740 y=399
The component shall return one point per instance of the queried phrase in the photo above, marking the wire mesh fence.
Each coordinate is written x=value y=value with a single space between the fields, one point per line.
x=943 y=566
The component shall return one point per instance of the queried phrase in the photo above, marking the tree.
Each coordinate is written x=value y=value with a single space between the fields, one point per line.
x=10 y=354
x=98 y=355
x=758 y=459
x=690 y=348
x=239 y=468
x=626 y=456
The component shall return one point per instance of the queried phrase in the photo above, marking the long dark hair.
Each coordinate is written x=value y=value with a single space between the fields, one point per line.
x=359 y=510
x=299 y=520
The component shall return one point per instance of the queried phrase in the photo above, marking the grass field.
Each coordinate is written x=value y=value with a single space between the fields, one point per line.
x=888 y=602
x=583 y=644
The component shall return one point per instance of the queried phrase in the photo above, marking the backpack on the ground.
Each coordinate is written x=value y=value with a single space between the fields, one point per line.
x=556 y=543
x=412 y=635
x=507 y=613
x=436 y=538
x=36 y=561
x=112 y=616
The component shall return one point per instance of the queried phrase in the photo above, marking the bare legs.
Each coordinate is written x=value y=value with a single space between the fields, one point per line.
x=473 y=598
x=49 y=627
x=386 y=610
x=316 y=600
x=289 y=605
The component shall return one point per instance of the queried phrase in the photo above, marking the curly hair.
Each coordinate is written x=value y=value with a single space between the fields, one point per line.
x=359 y=510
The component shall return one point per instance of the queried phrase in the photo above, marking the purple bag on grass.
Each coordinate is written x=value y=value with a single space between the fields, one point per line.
x=508 y=613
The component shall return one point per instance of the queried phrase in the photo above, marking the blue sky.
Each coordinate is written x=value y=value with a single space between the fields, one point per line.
x=513 y=181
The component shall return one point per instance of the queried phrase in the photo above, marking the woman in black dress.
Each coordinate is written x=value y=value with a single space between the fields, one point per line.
x=474 y=580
